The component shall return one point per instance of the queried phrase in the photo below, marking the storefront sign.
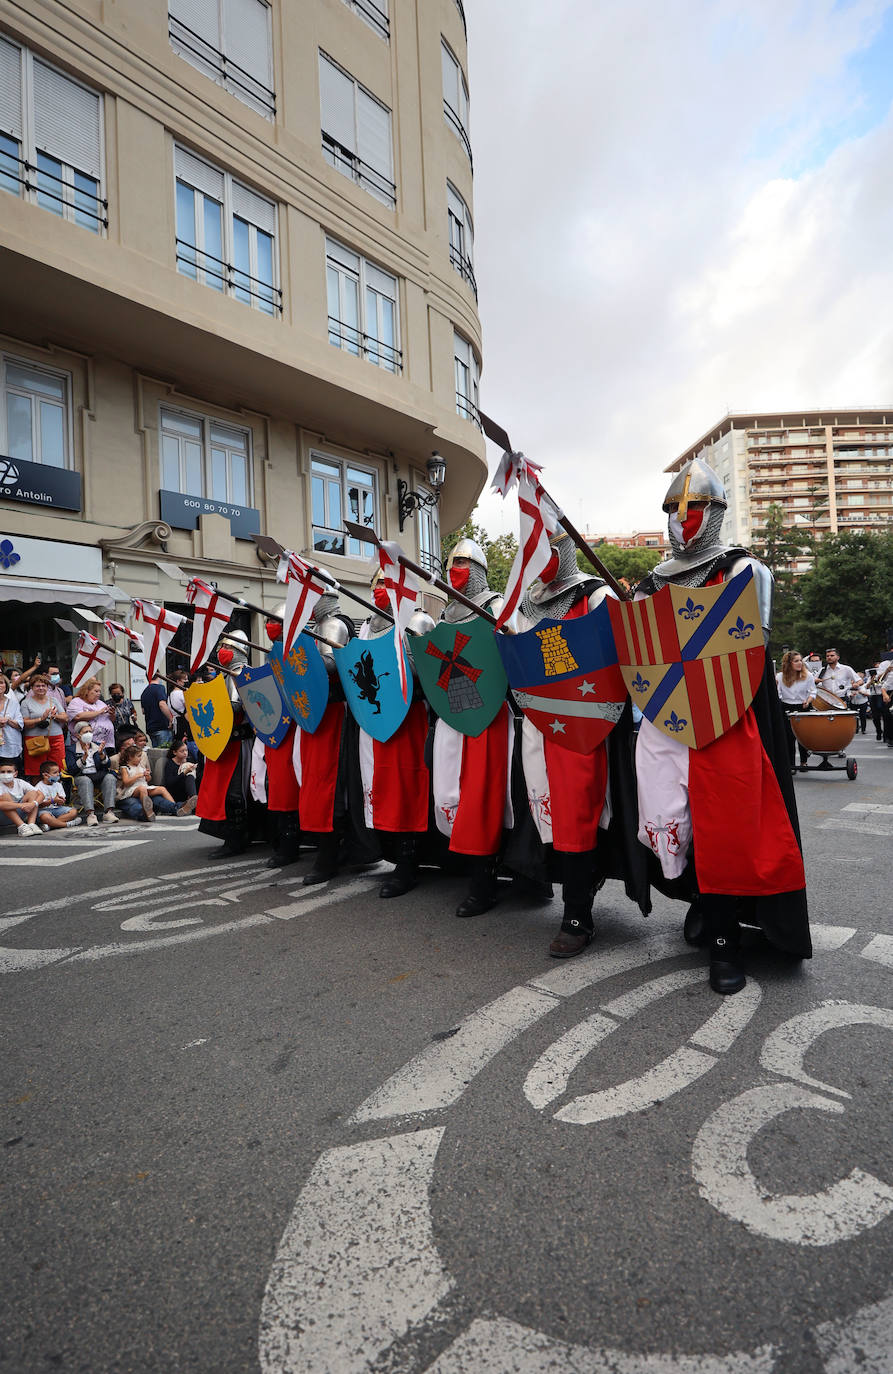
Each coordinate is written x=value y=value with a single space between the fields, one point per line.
x=39 y=484
x=48 y=558
x=182 y=512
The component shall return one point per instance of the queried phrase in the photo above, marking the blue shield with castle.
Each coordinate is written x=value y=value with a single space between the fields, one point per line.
x=302 y=681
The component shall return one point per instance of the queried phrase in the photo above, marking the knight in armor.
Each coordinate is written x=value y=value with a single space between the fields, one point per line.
x=395 y=776
x=277 y=767
x=225 y=807
x=722 y=820
x=472 y=776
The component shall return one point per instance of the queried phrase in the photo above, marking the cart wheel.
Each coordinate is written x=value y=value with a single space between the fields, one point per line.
x=852 y=769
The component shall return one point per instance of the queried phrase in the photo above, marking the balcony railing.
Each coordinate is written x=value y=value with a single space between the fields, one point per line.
x=461 y=8
x=374 y=15
x=463 y=266
x=359 y=171
x=459 y=129
x=233 y=279
x=353 y=340
x=467 y=408
x=66 y=195
x=235 y=79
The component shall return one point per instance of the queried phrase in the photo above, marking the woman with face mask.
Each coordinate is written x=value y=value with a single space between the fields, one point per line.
x=87 y=705
x=87 y=761
x=10 y=725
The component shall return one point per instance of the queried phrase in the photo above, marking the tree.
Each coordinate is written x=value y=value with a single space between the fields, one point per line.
x=629 y=566
x=779 y=546
x=499 y=552
x=844 y=601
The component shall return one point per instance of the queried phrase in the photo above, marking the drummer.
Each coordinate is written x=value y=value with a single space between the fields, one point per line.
x=838 y=678
x=796 y=691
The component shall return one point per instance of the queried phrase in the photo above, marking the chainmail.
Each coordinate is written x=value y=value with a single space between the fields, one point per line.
x=378 y=625
x=326 y=605
x=475 y=589
x=538 y=605
x=696 y=578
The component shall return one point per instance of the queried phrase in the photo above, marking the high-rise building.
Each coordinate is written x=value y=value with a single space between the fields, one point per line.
x=828 y=471
x=237 y=295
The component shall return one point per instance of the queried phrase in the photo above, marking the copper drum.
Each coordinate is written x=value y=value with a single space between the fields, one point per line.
x=824 y=732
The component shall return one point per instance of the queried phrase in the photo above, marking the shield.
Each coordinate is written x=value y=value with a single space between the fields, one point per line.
x=210 y=715
x=302 y=681
x=565 y=677
x=370 y=677
x=692 y=657
x=260 y=697
x=462 y=674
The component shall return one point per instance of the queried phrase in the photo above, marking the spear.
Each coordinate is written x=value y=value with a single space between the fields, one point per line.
x=369 y=536
x=499 y=436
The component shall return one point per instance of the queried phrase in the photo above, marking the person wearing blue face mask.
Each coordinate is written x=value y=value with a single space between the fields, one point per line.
x=62 y=691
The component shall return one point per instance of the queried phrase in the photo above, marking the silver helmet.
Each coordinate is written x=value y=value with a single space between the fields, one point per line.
x=475 y=587
x=695 y=481
x=469 y=549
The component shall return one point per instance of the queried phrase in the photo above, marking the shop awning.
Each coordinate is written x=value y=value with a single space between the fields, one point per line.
x=64 y=593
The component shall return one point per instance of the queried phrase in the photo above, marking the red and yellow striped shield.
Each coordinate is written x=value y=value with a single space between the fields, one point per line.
x=692 y=657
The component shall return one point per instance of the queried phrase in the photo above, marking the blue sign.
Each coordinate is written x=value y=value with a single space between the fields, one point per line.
x=182 y=512
x=302 y=681
x=39 y=484
x=263 y=705
x=370 y=676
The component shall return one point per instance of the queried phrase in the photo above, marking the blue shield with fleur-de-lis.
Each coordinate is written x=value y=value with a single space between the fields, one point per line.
x=692 y=659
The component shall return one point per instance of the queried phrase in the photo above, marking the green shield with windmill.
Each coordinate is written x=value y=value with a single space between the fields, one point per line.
x=461 y=673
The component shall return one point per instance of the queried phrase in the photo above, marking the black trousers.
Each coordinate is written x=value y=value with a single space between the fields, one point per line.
x=788 y=708
x=876 y=706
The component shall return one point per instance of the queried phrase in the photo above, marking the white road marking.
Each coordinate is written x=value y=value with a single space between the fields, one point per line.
x=879 y=950
x=784 y=1050
x=495 y=1345
x=440 y=1074
x=357 y=1266
x=827 y=938
x=598 y=964
x=312 y=901
x=870 y=806
x=192 y=1044
x=144 y=946
x=23 y=960
x=862 y=1342
x=149 y=920
x=551 y=1073
x=46 y=862
x=883 y=825
x=719 y=1163
x=29 y=911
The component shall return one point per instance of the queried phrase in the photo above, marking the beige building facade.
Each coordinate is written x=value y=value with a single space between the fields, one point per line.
x=237 y=296
x=828 y=471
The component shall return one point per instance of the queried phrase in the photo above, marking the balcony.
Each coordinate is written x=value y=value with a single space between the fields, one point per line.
x=350 y=165
x=463 y=266
x=353 y=340
x=459 y=130
x=235 y=79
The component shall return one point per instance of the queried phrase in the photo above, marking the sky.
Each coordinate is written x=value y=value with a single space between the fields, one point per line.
x=682 y=208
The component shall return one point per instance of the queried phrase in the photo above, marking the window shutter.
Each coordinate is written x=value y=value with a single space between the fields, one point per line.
x=456 y=204
x=66 y=120
x=247 y=38
x=450 y=77
x=11 y=89
x=342 y=256
x=374 y=140
x=198 y=174
x=336 y=96
x=201 y=16
x=248 y=205
x=381 y=282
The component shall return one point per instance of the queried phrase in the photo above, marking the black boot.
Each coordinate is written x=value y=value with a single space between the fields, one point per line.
x=406 y=874
x=483 y=892
x=326 y=863
x=694 y=931
x=287 y=846
x=724 y=931
x=577 y=889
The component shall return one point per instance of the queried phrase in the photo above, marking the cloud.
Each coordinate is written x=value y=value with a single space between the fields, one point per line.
x=674 y=216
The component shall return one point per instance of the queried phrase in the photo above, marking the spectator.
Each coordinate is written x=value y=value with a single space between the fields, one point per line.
x=158 y=714
x=87 y=706
x=64 y=690
x=89 y=764
x=836 y=677
x=813 y=663
x=138 y=798
x=14 y=809
x=41 y=718
x=20 y=681
x=123 y=712
x=53 y=810
x=796 y=691
x=179 y=777
x=10 y=725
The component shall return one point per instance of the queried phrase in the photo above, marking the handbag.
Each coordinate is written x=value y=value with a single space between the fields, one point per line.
x=37 y=744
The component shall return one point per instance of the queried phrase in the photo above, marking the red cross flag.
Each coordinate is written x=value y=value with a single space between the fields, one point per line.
x=212 y=615
x=91 y=656
x=305 y=588
x=161 y=626
x=403 y=591
x=115 y=628
x=539 y=520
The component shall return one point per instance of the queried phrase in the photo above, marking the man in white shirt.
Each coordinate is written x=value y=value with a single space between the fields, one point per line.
x=836 y=677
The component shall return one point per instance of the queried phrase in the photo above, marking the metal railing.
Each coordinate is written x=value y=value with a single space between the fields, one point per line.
x=361 y=172
x=352 y=340
x=376 y=16
x=233 y=278
x=233 y=75
x=463 y=266
x=458 y=128
x=69 y=200
x=467 y=408
x=461 y=8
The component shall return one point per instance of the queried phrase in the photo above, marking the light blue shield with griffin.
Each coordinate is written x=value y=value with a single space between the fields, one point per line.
x=370 y=676
x=302 y=681
x=263 y=705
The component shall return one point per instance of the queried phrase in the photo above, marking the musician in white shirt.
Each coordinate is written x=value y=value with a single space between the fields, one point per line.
x=796 y=691
x=836 y=677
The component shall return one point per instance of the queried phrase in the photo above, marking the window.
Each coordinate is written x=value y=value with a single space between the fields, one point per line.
x=375 y=13
x=50 y=139
x=429 y=535
x=356 y=132
x=455 y=97
x=341 y=491
x=35 y=414
x=204 y=32
x=467 y=379
x=461 y=236
x=202 y=457
x=225 y=234
x=362 y=305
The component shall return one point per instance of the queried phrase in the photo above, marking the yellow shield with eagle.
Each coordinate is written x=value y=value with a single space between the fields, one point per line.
x=210 y=715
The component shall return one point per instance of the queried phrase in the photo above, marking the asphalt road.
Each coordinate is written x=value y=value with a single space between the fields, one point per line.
x=249 y=1125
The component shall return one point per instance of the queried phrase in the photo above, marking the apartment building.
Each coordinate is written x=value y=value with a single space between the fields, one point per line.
x=636 y=539
x=237 y=296
x=829 y=471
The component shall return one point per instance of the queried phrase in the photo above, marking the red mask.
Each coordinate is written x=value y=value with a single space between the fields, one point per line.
x=459 y=577
x=550 y=570
x=273 y=629
x=691 y=525
x=380 y=597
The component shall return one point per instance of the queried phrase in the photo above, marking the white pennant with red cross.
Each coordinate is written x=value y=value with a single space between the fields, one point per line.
x=539 y=520
x=213 y=613
x=304 y=590
x=91 y=656
x=115 y=628
x=161 y=626
x=403 y=591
